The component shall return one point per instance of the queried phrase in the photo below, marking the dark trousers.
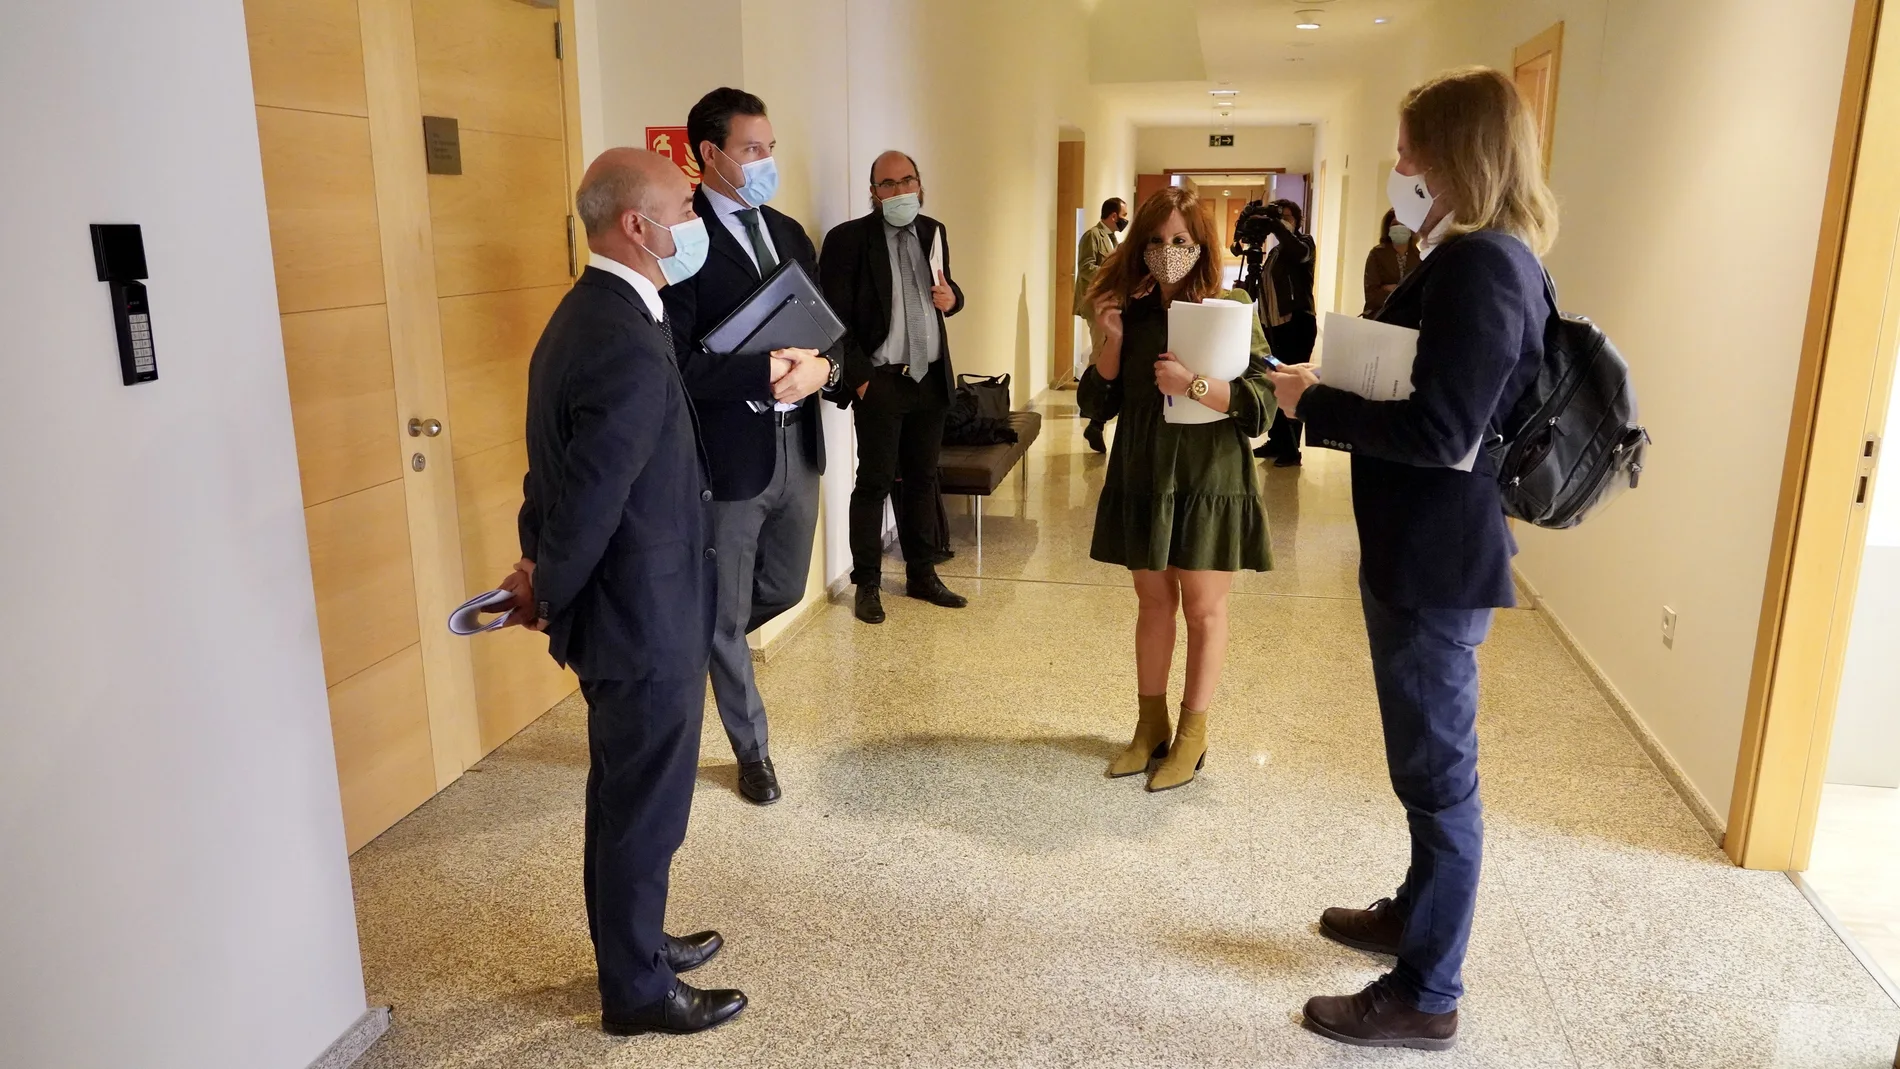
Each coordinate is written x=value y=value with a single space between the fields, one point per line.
x=643 y=749
x=1292 y=343
x=900 y=431
x=764 y=556
x=1425 y=665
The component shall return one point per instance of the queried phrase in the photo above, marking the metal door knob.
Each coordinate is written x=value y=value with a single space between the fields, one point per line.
x=419 y=428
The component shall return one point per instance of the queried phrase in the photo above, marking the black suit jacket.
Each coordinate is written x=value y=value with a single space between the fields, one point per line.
x=614 y=508
x=741 y=444
x=1429 y=536
x=855 y=271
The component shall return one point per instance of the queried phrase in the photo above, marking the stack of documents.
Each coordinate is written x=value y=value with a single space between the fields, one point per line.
x=467 y=620
x=1213 y=339
x=1373 y=360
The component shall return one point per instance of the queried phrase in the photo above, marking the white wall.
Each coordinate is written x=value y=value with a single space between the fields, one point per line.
x=1668 y=135
x=175 y=886
x=1161 y=148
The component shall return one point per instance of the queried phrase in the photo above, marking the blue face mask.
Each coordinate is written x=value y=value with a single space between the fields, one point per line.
x=689 y=250
x=759 y=180
x=901 y=210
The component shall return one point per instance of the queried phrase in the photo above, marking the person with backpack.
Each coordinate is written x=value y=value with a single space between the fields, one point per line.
x=1435 y=550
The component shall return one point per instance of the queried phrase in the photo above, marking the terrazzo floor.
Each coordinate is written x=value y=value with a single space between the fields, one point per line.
x=950 y=880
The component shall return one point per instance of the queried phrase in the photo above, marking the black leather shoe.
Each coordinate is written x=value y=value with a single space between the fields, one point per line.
x=684 y=953
x=870 y=607
x=1092 y=434
x=930 y=588
x=687 y=1010
x=1292 y=461
x=1266 y=452
x=758 y=782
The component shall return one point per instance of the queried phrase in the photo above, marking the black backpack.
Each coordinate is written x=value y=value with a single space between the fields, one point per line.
x=1571 y=443
x=979 y=412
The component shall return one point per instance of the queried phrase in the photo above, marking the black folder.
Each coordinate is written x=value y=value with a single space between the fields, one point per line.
x=785 y=312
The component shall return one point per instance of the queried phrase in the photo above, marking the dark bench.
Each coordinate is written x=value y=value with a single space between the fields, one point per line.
x=975 y=471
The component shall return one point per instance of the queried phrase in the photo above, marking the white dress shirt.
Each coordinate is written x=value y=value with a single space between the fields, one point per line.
x=641 y=284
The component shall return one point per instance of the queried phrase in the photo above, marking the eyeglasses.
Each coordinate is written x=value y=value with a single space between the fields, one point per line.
x=906 y=184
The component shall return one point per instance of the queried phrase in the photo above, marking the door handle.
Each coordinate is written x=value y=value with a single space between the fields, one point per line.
x=421 y=428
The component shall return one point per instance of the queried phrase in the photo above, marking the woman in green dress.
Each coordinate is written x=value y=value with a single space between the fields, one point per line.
x=1181 y=505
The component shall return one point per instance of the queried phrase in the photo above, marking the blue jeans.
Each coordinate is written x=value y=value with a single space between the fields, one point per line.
x=1425 y=664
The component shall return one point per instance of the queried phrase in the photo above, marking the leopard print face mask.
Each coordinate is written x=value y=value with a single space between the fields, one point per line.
x=1171 y=263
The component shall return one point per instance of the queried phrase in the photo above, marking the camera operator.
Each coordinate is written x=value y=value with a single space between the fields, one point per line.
x=1287 y=310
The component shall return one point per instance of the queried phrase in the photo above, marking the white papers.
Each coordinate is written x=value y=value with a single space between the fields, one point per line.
x=936 y=257
x=467 y=620
x=1373 y=360
x=1213 y=339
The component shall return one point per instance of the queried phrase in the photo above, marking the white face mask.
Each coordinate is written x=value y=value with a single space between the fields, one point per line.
x=1411 y=201
x=901 y=211
x=1400 y=235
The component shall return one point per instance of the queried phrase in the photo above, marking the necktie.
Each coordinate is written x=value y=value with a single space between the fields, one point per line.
x=916 y=315
x=666 y=328
x=761 y=251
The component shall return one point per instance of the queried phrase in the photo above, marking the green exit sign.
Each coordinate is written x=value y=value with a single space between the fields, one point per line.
x=1220 y=141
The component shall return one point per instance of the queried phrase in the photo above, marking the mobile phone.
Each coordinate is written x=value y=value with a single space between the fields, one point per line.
x=1274 y=362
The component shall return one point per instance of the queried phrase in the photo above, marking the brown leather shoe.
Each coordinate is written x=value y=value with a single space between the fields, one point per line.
x=1378 y=1017
x=1377 y=928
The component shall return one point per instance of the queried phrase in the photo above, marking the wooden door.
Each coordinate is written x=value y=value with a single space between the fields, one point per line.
x=353 y=241
x=1535 y=65
x=1069 y=157
x=502 y=262
x=1147 y=185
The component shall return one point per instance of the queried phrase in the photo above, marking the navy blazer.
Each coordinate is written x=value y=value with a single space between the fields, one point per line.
x=855 y=270
x=615 y=506
x=1430 y=536
x=742 y=445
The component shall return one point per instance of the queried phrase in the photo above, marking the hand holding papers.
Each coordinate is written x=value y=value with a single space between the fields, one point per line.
x=1373 y=360
x=467 y=620
x=1212 y=339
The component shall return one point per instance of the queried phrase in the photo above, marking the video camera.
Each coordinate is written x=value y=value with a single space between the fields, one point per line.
x=1254 y=225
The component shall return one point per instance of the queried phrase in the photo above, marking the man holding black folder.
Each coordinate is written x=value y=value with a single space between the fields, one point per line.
x=758 y=416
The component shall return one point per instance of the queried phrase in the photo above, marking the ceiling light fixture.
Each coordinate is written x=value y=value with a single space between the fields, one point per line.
x=1380 y=21
x=1308 y=20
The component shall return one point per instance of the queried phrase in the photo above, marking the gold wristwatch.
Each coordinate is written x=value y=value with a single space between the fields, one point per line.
x=1198 y=388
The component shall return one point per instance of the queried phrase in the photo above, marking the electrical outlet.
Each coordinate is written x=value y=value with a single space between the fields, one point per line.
x=1669 y=627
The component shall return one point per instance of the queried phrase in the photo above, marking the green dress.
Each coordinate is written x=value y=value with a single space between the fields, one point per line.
x=1183 y=495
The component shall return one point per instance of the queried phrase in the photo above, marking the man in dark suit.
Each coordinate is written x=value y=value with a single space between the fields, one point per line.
x=887 y=274
x=1286 y=306
x=758 y=416
x=617 y=567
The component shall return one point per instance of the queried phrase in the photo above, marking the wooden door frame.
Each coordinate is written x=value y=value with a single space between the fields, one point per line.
x=1071 y=197
x=1847 y=358
x=1550 y=41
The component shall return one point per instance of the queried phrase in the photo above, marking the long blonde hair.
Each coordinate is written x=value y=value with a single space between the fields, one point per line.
x=1472 y=129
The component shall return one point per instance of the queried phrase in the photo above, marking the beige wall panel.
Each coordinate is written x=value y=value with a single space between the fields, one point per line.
x=490 y=64
x=321 y=192
x=307 y=54
x=501 y=223
x=379 y=719
x=487 y=339
x=359 y=564
x=342 y=400
x=515 y=681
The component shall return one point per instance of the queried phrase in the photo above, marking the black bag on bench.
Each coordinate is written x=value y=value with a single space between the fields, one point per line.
x=979 y=412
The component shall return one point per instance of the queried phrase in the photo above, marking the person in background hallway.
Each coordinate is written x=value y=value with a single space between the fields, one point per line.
x=757 y=414
x=1435 y=551
x=877 y=273
x=615 y=546
x=1287 y=304
x=1394 y=257
x=1180 y=505
x=1096 y=245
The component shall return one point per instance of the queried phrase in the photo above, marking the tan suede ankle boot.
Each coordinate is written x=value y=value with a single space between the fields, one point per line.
x=1151 y=738
x=1185 y=755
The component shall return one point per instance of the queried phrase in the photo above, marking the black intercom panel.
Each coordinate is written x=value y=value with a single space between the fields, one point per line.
x=118 y=251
